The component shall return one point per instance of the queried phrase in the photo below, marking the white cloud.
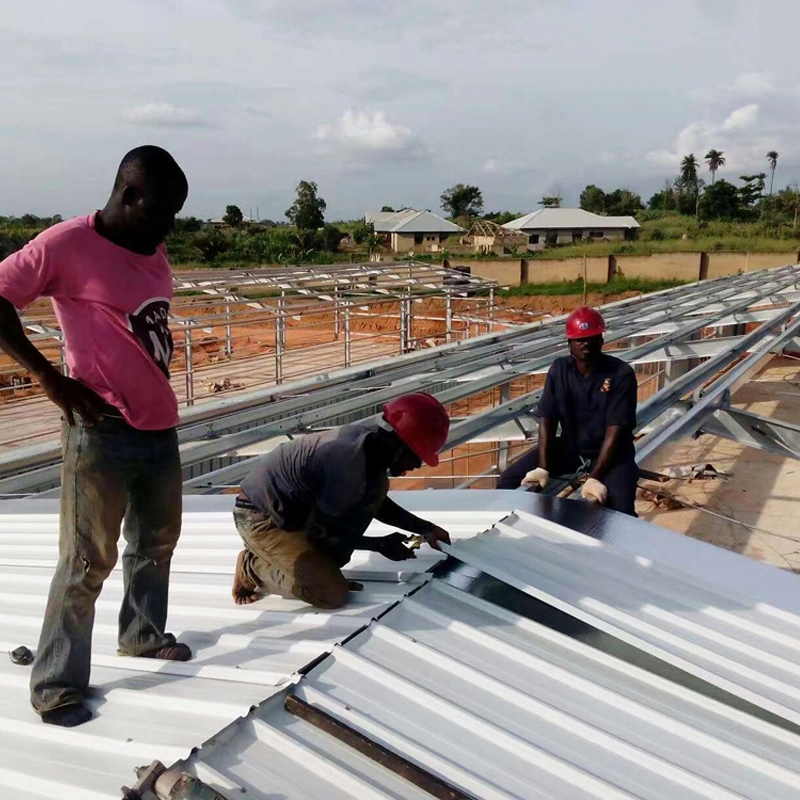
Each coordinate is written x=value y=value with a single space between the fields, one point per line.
x=755 y=82
x=164 y=115
x=368 y=133
x=503 y=166
x=742 y=117
x=747 y=84
x=741 y=136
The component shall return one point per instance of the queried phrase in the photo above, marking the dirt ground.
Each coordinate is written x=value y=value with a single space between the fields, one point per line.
x=757 y=489
x=253 y=329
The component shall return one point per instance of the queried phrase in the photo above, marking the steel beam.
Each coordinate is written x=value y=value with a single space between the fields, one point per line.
x=774 y=436
x=479 y=364
x=711 y=399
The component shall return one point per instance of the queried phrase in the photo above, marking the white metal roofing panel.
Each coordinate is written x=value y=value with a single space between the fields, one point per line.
x=148 y=710
x=554 y=218
x=500 y=707
x=748 y=645
x=209 y=542
x=154 y=709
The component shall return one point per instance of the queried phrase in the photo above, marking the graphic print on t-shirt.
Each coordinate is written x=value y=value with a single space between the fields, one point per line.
x=150 y=325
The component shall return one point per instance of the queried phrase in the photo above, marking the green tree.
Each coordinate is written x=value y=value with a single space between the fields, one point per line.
x=362 y=231
x=331 y=236
x=715 y=159
x=211 y=245
x=307 y=213
x=462 y=200
x=233 y=216
x=665 y=200
x=188 y=225
x=688 y=174
x=781 y=208
x=721 y=201
x=502 y=217
x=387 y=209
x=687 y=185
x=551 y=201
x=364 y=234
x=752 y=189
x=623 y=203
x=772 y=157
x=593 y=199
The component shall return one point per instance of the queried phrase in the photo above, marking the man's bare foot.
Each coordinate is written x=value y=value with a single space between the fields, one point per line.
x=243 y=591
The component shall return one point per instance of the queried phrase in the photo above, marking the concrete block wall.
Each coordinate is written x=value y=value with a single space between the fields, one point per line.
x=720 y=264
x=662 y=266
x=599 y=269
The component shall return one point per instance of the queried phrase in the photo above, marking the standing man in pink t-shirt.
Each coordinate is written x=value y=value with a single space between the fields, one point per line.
x=110 y=284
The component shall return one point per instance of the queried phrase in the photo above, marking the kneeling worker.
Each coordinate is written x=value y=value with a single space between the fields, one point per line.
x=593 y=396
x=305 y=507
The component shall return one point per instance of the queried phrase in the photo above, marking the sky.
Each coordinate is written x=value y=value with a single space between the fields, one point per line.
x=390 y=103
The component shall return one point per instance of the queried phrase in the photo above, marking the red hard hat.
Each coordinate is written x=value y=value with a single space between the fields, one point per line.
x=585 y=322
x=421 y=421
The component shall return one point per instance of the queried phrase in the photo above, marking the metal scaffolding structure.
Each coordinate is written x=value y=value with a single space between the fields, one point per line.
x=242 y=330
x=697 y=333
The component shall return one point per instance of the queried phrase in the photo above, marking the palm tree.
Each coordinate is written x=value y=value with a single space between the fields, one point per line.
x=772 y=157
x=689 y=167
x=715 y=159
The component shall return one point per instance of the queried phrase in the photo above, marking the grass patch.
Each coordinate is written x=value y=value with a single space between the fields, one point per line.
x=616 y=286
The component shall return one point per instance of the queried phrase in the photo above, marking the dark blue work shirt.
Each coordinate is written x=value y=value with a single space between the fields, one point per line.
x=586 y=406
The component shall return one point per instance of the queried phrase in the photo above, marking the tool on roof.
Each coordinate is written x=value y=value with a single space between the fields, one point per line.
x=156 y=782
x=417 y=775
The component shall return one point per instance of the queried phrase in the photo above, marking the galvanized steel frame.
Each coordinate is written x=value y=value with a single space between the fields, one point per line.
x=457 y=371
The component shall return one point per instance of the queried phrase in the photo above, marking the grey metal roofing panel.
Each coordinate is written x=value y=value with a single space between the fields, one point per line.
x=745 y=643
x=554 y=218
x=386 y=222
x=377 y=217
x=500 y=707
x=150 y=710
x=423 y=222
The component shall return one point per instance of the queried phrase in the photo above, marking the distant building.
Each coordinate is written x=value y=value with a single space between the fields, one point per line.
x=550 y=226
x=411 y=231
x=489 y=237
x=219 y=222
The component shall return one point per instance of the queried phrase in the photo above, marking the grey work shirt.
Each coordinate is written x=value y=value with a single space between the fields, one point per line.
x=325 y=471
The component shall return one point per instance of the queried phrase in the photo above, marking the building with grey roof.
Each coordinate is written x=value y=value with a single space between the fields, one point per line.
x=550 y=226
x=411 y=231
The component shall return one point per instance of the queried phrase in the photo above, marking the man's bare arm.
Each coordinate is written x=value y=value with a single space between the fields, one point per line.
x=69 y=395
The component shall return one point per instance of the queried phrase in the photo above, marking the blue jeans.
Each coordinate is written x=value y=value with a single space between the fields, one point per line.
x=111 y=472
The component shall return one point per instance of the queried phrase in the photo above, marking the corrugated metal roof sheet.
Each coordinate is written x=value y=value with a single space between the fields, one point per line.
x=554 y=218
x=500 y=707
x=412 y=221
x=150 y=710
x=378 y=217
x=744 y=643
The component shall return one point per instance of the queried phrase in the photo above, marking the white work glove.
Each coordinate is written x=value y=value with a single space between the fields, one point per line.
x=594 y=490
x=536 y=477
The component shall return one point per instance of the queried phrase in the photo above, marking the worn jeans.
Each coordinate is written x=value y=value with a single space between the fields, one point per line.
x=287 y=563
x=111 y=472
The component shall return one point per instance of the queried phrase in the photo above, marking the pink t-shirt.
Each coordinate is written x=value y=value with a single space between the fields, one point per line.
x=112 y=306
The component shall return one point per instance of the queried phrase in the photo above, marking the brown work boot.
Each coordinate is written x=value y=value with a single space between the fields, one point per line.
x=244 y=590
x=171 y=652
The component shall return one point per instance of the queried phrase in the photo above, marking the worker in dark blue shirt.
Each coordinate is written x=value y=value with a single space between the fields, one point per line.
x=593 y=397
